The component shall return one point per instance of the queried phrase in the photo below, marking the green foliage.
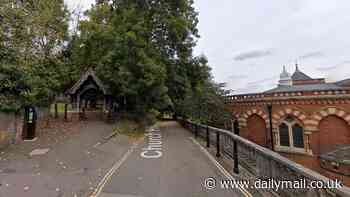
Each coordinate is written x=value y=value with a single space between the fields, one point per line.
x=60 y=108
x=12 y=87
x=204 y=103
x=32 y=36
x=143 y=50
x=130 y=128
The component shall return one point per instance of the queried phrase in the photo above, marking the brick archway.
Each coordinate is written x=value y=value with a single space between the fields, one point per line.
x=325 y=140
x=300 y=116
x=256 y=130
x=317 y=128
x=244 y=117
x=329 y=111
x=279 y=116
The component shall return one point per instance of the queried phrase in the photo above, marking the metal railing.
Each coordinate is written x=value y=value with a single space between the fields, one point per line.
x=263 y=163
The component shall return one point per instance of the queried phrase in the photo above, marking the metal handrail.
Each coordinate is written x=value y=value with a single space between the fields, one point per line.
x=267 y=153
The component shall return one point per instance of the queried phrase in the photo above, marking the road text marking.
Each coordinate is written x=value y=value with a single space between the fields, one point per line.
x=154 y=148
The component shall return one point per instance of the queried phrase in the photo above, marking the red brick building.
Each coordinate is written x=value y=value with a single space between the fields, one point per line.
x=310 y=121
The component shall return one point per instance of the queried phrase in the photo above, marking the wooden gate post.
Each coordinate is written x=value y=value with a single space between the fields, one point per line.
x=65 y=112
x=56 y=111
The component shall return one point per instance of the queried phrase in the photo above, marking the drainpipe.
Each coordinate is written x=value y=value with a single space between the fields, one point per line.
x=269 y=109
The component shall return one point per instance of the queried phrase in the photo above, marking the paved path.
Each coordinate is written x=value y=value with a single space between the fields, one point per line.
x=180 y=172
x=77 y=160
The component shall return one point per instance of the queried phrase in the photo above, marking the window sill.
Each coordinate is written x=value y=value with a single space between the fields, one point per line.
x=291 y=150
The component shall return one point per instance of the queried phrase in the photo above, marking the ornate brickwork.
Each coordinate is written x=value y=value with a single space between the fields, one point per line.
x=328 y=111
x=277 y=117
x=247 y=114
x=318 y=107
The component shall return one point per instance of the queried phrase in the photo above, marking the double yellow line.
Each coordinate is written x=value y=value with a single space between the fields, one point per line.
x=114 y=168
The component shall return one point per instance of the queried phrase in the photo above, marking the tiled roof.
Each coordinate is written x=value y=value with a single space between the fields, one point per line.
x=84 y=77
x=345 y=82
x=298 y=75
x=306 y=87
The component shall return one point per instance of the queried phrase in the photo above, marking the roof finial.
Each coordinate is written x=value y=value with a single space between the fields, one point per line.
x=284 y=73
x=296 y=66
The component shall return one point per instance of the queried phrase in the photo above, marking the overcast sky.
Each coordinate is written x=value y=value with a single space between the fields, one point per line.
x=248 y=41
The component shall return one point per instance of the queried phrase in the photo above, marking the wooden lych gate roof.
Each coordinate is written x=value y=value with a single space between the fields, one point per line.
x=85 y=77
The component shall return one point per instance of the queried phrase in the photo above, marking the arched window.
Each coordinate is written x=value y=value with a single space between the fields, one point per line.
x=291 y=133
x=284 y=135
x=298 y=136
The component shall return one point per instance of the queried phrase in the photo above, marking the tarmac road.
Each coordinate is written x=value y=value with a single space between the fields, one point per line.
x=180 y=171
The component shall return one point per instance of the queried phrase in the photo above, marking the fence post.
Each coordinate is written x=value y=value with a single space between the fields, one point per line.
x=82 y=114
x=65 y=112
x=235 y=148
x=208 y=139
x=218 y=144
x=196 y=130
x=56 y=111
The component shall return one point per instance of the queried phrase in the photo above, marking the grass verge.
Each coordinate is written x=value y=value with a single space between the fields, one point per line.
x=130 y=128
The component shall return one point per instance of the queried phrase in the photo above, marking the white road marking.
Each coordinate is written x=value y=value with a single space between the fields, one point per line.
x=154 y=147
x=114 y=168
x=244 y=191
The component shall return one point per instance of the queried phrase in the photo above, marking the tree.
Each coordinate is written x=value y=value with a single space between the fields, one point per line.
x=141 y=48
x=144 y=51
x=32 y=36
x=205 y=102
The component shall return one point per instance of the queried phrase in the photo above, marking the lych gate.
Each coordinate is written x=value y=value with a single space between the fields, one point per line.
x=90 y=96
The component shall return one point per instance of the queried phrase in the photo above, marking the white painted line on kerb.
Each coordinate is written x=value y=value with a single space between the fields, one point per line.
x=114 y=168
x=244 y=191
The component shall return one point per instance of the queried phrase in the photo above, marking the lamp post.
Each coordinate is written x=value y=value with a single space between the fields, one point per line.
x=269 y=109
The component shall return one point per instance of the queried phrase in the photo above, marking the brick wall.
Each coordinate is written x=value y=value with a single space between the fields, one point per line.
x=11 y=126
x=326 y=124
x=333 y=132
x=10 y=129
x=331 y=119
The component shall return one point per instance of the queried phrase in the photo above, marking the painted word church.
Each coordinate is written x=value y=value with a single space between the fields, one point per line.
x=307 y=118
